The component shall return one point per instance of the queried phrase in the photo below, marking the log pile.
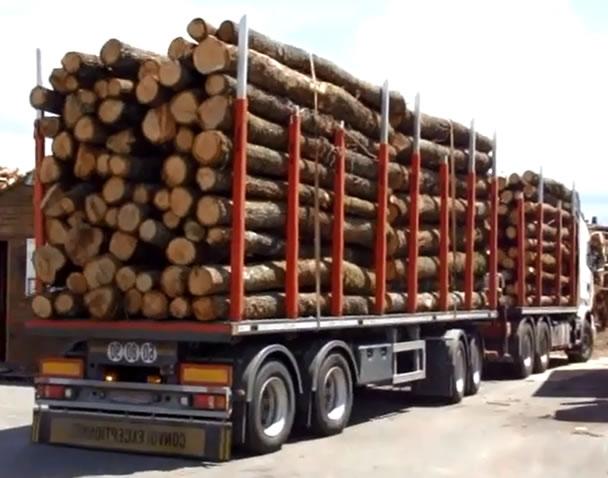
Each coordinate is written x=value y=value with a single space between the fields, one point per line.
x=556 y=203
x=8 y=177
x=598 y=259
x=138 y=186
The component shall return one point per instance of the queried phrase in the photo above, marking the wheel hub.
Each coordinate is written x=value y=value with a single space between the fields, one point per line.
x=274 y=406
x=335 y=393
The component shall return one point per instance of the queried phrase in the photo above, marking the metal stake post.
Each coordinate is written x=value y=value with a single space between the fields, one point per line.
x=337 y=282
x=444 y=232
x=521 y=251
x=470 y=223
x=39 y=233
x=493 y=286
x=414 y=223
x=539 y=239
x=293 y=207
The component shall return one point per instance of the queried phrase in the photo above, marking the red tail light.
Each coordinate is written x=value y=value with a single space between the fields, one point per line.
x=209 y=402
x=53 y=392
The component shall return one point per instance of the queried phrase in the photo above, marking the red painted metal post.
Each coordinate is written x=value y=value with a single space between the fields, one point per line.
x=239 y=177
x=539 y=253
x=380 y=249
x=573 y=254
x=444 y=235
x=39 y=233
x=293 y=206
x=337 y=282
x=521 y=251
x=470 y=224
x=414 y=222
x=559 y=254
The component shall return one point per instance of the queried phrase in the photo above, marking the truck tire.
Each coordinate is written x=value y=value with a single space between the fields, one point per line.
x=458 y=356
x=333 y=400
x=524 y=358
x=585 y=350
x=271 y=412
x=475 y=366
x=543 y=347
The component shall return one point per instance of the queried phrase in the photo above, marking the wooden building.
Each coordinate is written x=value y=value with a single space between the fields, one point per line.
x=19 y=352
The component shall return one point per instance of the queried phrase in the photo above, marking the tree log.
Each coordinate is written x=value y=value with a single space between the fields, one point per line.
x=56 y=231
x=126 y=141
x=103 y=303
x=430 y=208
x=199 y=29
x=52 y=171
x=184 y=106
x=159 y=126
x=194 y=232
x=150 y=92
x=162 y=200
x=144 y=193
x=63 y=146
x=130 y=167
x=69 y=305
x=42 y=305
x=214 y=56
x=102 y=165
x=300 y=60
x=42 y=98
x=184 y=139
x=149 y=67
x=50 y=264
x=131 y=215
x=111 y=217
x=77 y=105
x=120 y=87
x=184 y=201
x=175 y=75
x=119 y=113
x=50 y=126
x=62 y=82
x=77 y=283
x=100 y=87
x=74 y=198
x=156 y=233
x=125 y=278
x=174 y=280
x=82 y=64
x=171 y=220
x=101 y=271
x=133 y=302
x=551 y=186
x=210 y=280
x=116 y=191
x=549 y=232
x=51 y=202
x=155 y=305
x=428 y=267
x=85 y=165
x=147 y=280
x=89 y=130
x=180 y=308
x=83 y=243
x=128 y=248
x=123 y=59
x=183 y=252
x=180 y=49
x=178 y=170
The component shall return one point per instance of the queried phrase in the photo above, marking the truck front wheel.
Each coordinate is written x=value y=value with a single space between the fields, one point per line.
x=271 y=412
x=584 y=351
x=333 y=399
x=524 y=358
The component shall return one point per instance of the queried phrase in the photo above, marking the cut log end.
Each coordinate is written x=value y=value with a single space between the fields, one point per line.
x=215 y=113
x=180 y=308
x=155 y=305
x=181 y=251
x=77 y=283
x=126 y=277
x=211 y=55
x=133 y=302
x=103 y=303
x=42 y=306
x=210 y=148
x=111 y=51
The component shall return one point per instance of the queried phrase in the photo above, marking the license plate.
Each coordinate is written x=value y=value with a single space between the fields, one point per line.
x=132 y=398
x=140 y=437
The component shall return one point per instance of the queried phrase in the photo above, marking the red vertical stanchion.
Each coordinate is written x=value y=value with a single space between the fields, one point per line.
x=381 y=212
x=559 y=253
x=293 y=206
x=414 y=222
x=539 y=240
x=521 y=251
x=337 y=283
x=573 y=249
x=470 y=223
x=493 y=288
x=239 y=173
x=444 y=234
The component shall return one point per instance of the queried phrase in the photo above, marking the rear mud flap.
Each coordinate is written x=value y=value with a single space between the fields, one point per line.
x=156 y=436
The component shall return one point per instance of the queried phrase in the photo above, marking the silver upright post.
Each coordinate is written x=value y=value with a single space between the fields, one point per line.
x=243 y=49
x=417 y=123
x=472 y=146
x=541 y=187
x=38 y=76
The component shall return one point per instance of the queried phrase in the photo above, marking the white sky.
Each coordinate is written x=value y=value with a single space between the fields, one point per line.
x=535 y=70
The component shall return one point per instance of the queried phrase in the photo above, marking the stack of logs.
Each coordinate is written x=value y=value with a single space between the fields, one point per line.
x=556 y=199
x=8 y=177
x=138 y=187
x=598 y=252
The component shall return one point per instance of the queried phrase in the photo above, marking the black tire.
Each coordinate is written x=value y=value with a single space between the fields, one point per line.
x=458 y=356
x=524 y=359
x=543 y=347
x=333 y=400
x=584 y=352
x=475 y=366
x=273 y=388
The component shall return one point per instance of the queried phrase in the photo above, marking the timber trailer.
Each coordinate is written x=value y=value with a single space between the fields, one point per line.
x=198 y=389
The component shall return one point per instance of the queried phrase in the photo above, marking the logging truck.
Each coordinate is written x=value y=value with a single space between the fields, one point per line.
x=199 y=388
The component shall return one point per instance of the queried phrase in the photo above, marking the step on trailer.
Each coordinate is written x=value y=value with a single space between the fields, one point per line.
x=196 y=389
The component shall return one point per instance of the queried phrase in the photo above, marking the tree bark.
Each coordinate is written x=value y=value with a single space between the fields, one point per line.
x=551 y=186
x=266 y=276
x=428 y=267
x=549 y=232
x=42 y=98
x=119 y=113
x=214 y=56
x=135 y=168
x=127 y=141
x=180 y=49
x=103 y=303
x=430 y=208
x=120 y=88
x=300 y=60
x=128 y=248
x=174 y=280
x=83 y=243
x=77 y=105
x=199 y=29
x=89 y=130
x=82 y=64
x=125 y=60
x=176 y=76
x=156 y=233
